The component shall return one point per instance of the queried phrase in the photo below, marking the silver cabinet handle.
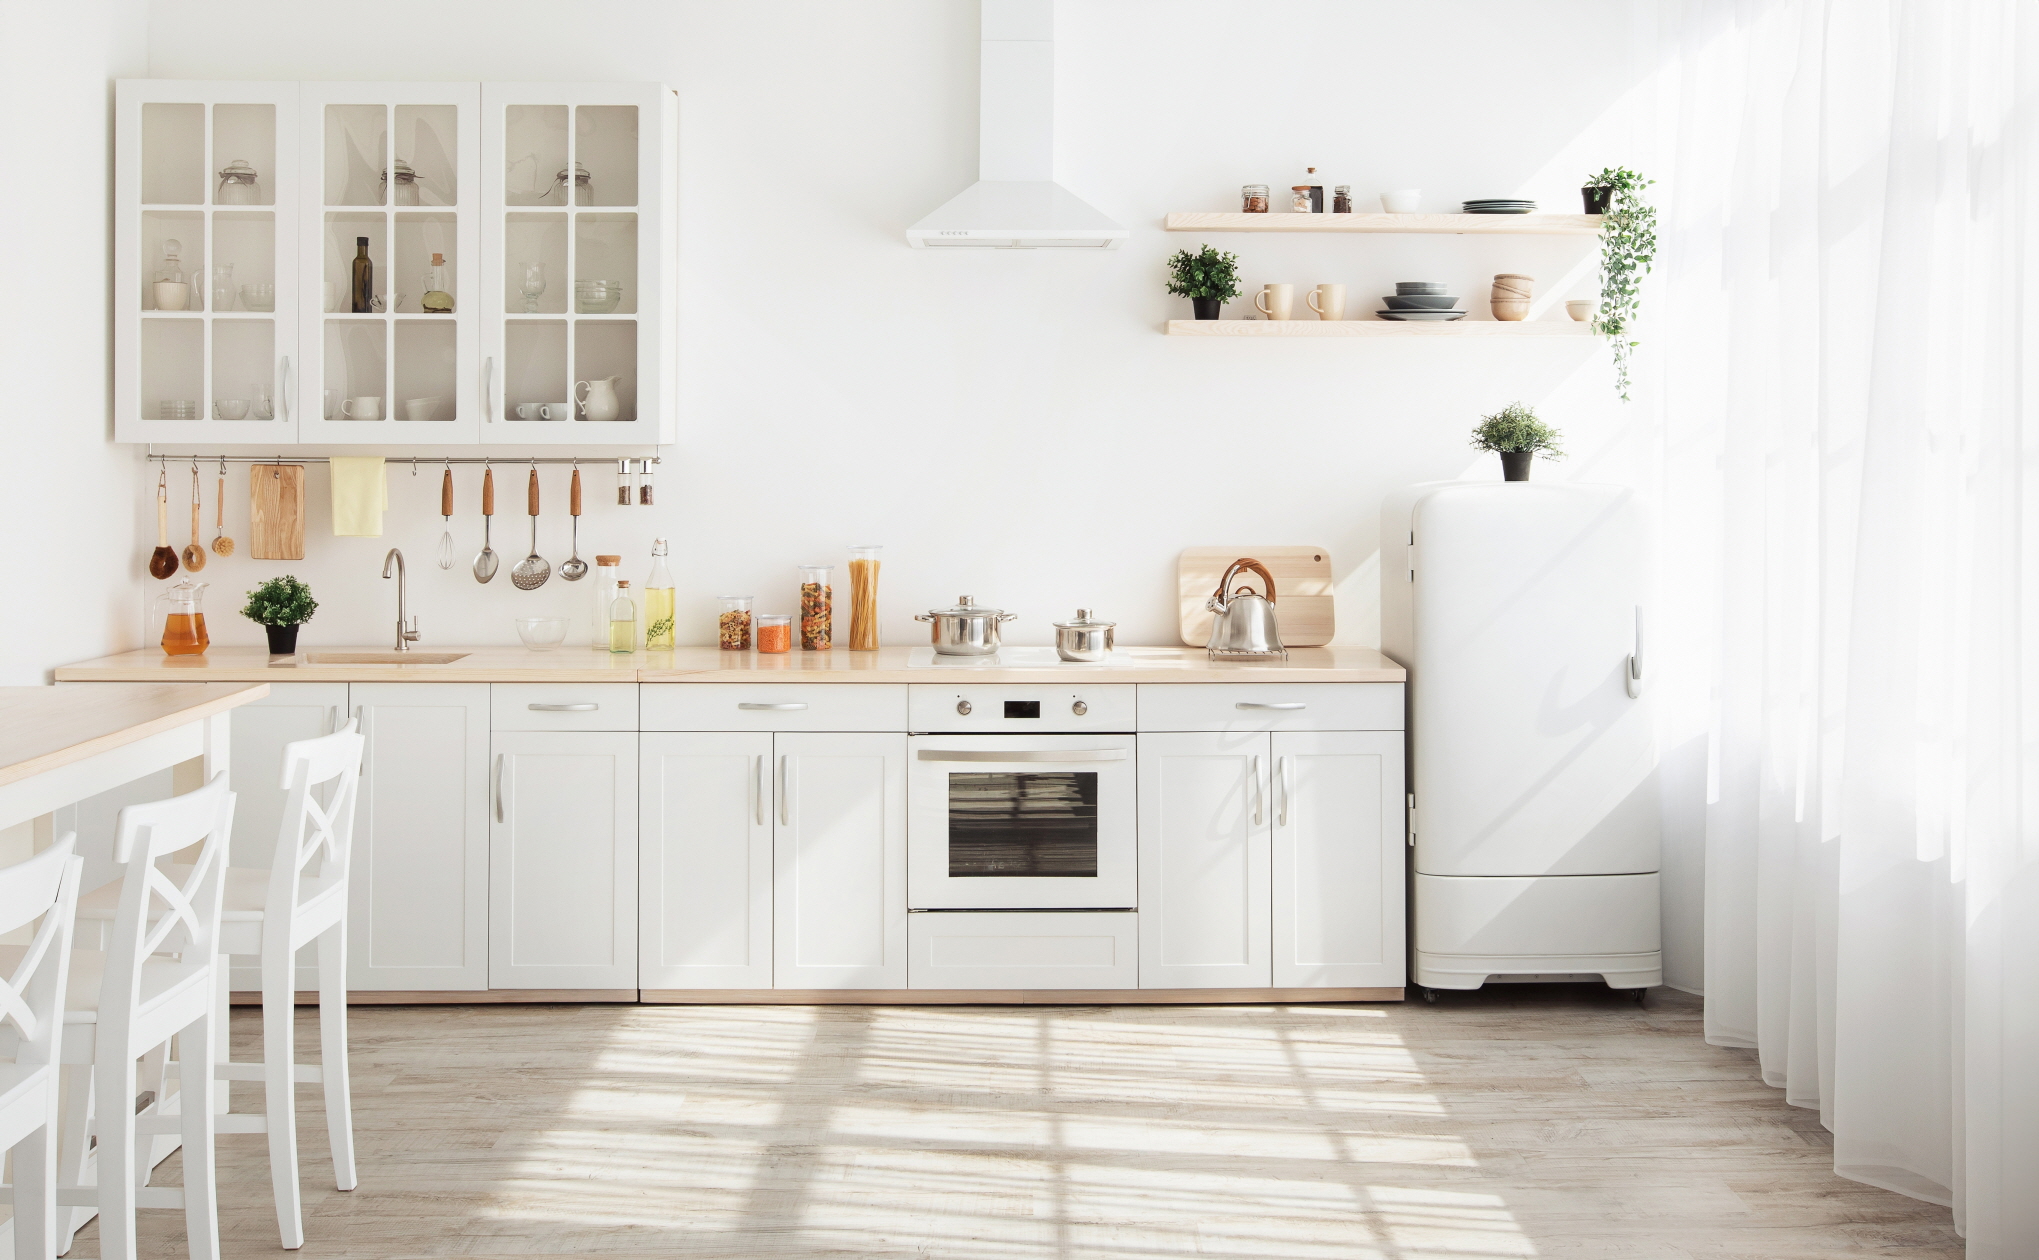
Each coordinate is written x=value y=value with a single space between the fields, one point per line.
x=1259 y=803
x=1633 y=678
x=785 y=790
x=757 y=788
x=502 y=772
x=488 y=389
x=1282 y=770
x=771 y=708
x=1067 y=754
x=288 y=386
x=1254 y=704
x=584 y=707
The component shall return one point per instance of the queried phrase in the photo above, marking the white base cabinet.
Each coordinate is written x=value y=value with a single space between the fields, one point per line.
x=839 y=861
x=563 y=861
x=1339 y=907
x=705 y=861
x=1205 y=836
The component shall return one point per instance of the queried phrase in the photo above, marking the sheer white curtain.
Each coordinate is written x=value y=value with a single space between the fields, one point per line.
x=1846 y=325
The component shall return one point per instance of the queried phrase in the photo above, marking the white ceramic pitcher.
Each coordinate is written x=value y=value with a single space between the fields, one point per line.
x=599 y=403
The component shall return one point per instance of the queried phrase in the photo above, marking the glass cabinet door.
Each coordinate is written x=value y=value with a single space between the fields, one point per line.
x=205 y=262
x=578 y=263
x=389 y=252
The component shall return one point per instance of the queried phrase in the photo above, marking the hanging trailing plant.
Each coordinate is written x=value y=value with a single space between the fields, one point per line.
x=1628 y=244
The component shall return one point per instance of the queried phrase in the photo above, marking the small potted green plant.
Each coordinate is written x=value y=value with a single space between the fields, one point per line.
x=1517 y=435
x=280 y=606
x=1208 y=278
x=1628 y=245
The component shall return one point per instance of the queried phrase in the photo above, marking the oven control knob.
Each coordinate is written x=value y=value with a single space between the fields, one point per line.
x=963 y=707
x=1079 y=708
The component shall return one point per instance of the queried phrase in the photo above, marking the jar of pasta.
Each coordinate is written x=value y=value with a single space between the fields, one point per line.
x=732 y=627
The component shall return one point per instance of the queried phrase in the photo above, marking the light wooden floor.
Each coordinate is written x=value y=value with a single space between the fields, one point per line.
x=1520 y=1121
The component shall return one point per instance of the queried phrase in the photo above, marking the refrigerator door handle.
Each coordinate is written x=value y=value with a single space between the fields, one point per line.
x=1633 y=676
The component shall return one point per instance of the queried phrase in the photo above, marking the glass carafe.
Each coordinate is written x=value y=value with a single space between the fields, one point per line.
x=184 y=619
x=172 y=292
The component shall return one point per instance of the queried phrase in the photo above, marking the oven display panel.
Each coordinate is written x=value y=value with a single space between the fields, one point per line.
x=1008 y=824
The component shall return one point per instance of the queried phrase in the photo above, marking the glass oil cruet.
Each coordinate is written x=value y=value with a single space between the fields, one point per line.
x=237 y=185
x=583 y=188
x=184 y=619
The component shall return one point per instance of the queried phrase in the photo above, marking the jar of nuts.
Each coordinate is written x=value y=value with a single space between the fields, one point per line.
x=733 y=625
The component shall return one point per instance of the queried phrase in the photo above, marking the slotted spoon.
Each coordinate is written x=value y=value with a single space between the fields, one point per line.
x=532 y=570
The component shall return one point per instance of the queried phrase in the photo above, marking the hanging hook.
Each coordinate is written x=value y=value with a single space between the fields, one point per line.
x=414 y=465
x=222 y=466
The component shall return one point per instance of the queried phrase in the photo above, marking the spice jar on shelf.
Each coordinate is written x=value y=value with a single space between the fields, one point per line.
x=1341 y=199
x=775 y=632
x=732 y=626
x=1253 y=199
x=817 y=607
x=864 y=598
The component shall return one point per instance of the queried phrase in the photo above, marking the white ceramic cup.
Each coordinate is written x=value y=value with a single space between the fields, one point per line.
x=528 y=411
x=362 y=408
x=1328 y=300
x=1583 y=309
x=420 y=409
x=230 y=408
x=1402 y=201
x=331 y=402
x=1275 y=301
x=556 y=411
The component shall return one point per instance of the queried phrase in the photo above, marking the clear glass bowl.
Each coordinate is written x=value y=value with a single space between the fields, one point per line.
x=258 y=297
x=542 y=634
x=597 y=297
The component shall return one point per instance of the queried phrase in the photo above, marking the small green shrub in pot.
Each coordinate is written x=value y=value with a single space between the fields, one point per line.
x=1209 y=278
x=280 y=605
x=1517 y=436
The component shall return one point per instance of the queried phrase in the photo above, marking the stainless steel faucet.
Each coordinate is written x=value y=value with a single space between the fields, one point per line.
x=404 y=638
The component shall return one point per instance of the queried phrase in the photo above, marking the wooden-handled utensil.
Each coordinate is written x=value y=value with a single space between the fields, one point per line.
x=221 y=544
x=163 y=561
x=532 y=570
x=446 y=511
x=575 y=568
x=194 y=551
x=485 y=563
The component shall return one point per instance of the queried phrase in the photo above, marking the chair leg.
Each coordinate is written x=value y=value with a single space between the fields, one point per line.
x=35 y=1187
x=279 y=1098
x=333 y=1051
x=195 y=1047
x=74 y=1137
x=115 y=1116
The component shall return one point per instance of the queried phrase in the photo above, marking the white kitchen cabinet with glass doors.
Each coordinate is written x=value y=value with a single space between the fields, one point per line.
x=544 y=210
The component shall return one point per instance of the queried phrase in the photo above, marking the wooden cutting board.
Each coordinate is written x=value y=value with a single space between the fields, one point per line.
x=1302 y=590
x=276 y=511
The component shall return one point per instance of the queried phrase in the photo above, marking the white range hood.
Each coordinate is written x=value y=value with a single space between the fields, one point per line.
x=1016 y=203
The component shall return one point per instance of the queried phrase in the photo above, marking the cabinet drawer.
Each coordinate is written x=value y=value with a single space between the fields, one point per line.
x=1270 y=707
x=563 y=707
x=774 y=707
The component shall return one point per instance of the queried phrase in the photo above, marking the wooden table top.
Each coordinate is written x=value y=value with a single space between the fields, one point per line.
x=42 y=728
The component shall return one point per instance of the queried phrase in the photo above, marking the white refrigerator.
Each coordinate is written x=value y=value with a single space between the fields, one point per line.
x=1518 y=609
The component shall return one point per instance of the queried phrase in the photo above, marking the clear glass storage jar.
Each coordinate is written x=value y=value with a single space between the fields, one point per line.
x=817 y=607
x=732 y=624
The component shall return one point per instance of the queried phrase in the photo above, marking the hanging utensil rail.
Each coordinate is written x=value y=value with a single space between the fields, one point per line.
x=393 y=461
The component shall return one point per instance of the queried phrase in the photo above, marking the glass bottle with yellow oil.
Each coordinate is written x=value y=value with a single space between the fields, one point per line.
x=658 y=602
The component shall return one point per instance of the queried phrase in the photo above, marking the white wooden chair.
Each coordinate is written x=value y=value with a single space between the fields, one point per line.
x=158 y=979
x=32 y=1008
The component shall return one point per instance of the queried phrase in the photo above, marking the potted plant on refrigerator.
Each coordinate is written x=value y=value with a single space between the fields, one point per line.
x=1209 y=278
x=1628 y=244
x=1517 y=436
x=280 y=606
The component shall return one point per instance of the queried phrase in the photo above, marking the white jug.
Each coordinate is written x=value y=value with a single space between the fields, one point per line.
x=599 y=403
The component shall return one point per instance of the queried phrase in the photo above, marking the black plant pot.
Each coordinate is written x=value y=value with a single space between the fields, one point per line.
x=283 y=639
x=1597 y=199
x=1515 y=465
x=1208 y=308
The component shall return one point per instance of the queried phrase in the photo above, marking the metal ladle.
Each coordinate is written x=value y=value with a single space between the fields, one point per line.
x=575 y=568
x=485 y=563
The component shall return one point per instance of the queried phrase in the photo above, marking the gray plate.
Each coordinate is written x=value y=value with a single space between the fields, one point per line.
x=1499 y=210
x=1412 y=288
x=1420 y=302
x=1420 y=317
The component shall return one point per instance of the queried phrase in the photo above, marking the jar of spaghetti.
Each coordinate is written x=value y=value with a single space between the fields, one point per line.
x=732 y=627
x=864 y=598
x=817 y=607
x=775 y=632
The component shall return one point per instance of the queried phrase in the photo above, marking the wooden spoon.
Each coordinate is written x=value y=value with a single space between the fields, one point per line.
x=194 y=551
x=221 y=544
x=163 y=562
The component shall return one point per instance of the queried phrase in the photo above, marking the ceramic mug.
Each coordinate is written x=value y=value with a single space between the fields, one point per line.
x=556 y=411
x=230 y=408
x=362 y=408
x=1583 y=309
x=332 y=401
x=1328 y=300
x=529 y=411
x=1275 y=301
x=1404 y=201
x=420 y=409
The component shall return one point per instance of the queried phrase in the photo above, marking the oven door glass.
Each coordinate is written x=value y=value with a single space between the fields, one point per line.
x=1009 y=824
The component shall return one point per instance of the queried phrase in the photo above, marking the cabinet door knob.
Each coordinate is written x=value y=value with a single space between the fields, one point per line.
x=963 y=707
x=1080 y=708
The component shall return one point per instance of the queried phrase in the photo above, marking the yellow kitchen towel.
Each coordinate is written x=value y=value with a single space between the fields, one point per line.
x=360 y=495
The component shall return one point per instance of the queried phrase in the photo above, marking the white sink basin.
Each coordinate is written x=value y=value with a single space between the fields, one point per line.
x=384 y=658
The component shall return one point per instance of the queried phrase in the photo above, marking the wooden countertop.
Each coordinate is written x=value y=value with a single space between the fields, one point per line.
x=42 y=728
x=709 y=664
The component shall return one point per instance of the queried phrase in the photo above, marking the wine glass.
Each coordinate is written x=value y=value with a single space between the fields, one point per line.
x=534 y=284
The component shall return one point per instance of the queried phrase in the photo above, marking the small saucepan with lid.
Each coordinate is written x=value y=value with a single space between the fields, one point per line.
x=1084 y=639
x=966 y=629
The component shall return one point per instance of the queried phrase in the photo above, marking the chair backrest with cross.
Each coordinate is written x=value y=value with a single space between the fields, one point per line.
x=308 y=868
x=174 y=911
x=32 y=997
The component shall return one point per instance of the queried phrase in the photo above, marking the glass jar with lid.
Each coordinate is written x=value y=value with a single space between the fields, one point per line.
x=817 y=607
x=732 y=624
x=583 y=186
x=775 y=632
x=406 y=181
x=237 y=185
x=1341 y=199
x=1253 y=199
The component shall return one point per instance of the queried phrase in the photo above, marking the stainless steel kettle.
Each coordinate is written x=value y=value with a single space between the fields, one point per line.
x=1243 y=622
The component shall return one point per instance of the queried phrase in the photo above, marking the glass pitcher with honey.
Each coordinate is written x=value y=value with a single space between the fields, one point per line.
x=184 y=619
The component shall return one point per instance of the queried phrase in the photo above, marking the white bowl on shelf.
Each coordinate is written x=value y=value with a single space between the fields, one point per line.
x=542 y=634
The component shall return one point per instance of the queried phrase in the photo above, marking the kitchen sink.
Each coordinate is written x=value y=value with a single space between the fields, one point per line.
x=384 y=658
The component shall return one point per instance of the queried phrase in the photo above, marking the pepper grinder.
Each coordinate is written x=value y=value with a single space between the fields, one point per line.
x=644 y=485
x=624 y=497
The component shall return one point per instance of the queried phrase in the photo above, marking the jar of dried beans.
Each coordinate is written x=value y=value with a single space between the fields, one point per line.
x=817 y=607
x=733 y=625
x=775 y=632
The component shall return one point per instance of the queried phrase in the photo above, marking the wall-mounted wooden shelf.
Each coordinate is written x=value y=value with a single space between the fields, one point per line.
x=1375 y=328
x=1471 y=224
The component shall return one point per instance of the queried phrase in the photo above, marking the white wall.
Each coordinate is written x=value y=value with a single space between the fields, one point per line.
x=70 y=497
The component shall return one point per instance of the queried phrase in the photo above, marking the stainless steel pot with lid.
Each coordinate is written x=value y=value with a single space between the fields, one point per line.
x=1084 y=639
x=966 y=629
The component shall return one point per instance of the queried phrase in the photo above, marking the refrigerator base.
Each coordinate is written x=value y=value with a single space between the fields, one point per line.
x=1470 y=929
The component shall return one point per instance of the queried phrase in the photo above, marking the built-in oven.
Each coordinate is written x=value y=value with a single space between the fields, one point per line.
x=1021 y=822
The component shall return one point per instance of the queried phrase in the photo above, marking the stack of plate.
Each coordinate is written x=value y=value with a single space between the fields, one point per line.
x=1420 y=301
x=1499 y=205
